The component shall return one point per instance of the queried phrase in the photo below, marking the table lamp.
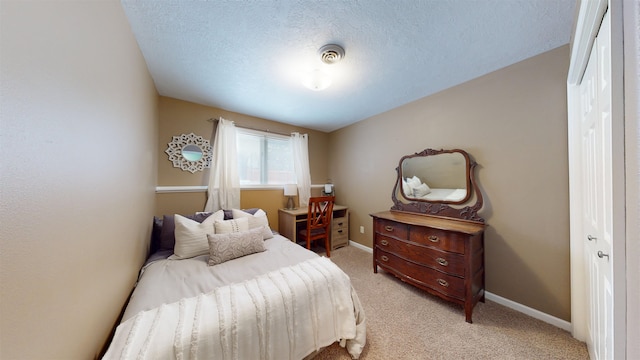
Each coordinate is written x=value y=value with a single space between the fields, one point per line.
x=328 y=190
x=290 y=190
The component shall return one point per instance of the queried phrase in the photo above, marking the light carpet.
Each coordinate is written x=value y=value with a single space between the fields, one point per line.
x=404 y=322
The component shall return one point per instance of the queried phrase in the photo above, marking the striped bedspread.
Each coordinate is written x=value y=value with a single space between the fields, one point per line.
x=284 y=314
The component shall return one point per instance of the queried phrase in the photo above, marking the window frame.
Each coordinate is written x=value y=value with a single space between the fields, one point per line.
x=263 y=155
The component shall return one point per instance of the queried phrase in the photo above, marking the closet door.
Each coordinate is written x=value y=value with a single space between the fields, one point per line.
x=597 y=210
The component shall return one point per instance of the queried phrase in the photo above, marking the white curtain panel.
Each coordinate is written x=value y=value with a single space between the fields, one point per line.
x=224 y=182
x=300 y=145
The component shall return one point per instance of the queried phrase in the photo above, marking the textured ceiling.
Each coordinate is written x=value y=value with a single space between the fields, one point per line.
x=249 y=56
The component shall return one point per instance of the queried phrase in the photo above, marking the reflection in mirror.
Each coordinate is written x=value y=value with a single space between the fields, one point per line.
x=440 y=177
x=192 y=152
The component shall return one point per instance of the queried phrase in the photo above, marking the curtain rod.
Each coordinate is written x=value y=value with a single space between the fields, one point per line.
x=212 y=120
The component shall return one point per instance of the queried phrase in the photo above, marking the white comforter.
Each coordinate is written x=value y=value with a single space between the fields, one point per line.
x=445 y=194
x=286 y=313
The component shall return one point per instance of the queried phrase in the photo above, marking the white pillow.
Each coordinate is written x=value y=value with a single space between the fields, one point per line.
x=231 y=226
x=191 y=236
x=414 y=181
x=257 y=220
x=407 y=189
x=421 y=190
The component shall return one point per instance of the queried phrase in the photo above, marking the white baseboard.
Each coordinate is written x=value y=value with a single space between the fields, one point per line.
x=536 y=314
x=360 y=246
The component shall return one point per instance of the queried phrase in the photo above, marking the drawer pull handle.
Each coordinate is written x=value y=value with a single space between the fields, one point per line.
x=339 y=224
x=443 y=282
x=388 y=228
x=340 y=231
x=433 y=238
x=384 y=258
x=442 y=261
x=384 y=242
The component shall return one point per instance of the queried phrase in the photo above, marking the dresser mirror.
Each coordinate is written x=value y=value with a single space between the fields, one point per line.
x=439 y=183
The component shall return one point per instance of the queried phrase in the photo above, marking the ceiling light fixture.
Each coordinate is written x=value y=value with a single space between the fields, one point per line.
x=317 y=79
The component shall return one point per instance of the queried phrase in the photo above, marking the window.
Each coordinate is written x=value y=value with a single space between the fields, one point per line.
x=264 y=158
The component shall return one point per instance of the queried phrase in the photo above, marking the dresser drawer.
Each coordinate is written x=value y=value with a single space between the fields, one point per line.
x=443 y=240
x=450 y=263
x=339 y=223
x=444 y=283
x=392 y=228
x=339 y=241
x=339 y=232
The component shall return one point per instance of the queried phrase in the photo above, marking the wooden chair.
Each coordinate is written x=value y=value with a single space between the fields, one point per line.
x=318 y=222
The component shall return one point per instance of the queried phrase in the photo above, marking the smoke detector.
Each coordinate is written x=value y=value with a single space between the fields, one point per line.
x=331 y=53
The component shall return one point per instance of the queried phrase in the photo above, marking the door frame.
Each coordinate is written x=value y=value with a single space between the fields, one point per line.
x=588 y=22
x=631 y=33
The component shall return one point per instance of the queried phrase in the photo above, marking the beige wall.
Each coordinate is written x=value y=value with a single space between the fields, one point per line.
x=513 y=122
x=179 y=117
x=78 y=139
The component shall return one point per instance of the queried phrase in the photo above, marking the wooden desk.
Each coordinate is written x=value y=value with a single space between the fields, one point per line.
x=290 y=222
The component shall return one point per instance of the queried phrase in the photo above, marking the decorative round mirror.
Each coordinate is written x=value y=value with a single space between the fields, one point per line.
x=189 y=152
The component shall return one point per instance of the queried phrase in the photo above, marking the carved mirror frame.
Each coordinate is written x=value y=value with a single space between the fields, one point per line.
x=183 y=161
x=466 y=209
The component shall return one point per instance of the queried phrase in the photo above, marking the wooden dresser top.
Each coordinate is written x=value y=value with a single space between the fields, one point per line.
x=449 y=224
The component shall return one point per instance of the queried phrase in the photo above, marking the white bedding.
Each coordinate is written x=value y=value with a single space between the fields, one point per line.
x=445 y=194
x=240 y=312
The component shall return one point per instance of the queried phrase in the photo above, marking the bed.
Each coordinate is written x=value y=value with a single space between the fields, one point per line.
x=279 y=301
x=414 y=188
x=436 y=194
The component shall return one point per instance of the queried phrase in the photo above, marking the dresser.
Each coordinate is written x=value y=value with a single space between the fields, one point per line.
x=444 y=256
x=290 y=222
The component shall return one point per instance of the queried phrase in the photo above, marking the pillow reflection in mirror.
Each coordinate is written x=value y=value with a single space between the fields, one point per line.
x=407 y=189
x=414 y=181
x=421 y=190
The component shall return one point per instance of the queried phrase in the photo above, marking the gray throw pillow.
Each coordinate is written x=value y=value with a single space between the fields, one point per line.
x=225 y=247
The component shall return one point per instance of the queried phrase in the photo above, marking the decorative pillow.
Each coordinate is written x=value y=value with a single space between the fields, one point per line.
x=231 y=226
x=228 y=214
x=225 y=247
x=191 y=237
x=421 y=190
x=167 y=233
x=414 y=181
x=257 y=220
x=156 y=231
x=407 y=189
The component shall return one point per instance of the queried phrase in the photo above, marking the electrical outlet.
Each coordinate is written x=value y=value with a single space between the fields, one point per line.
x=361 y=229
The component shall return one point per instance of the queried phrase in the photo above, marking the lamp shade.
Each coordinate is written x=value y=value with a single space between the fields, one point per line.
x=290 y=190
